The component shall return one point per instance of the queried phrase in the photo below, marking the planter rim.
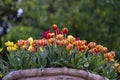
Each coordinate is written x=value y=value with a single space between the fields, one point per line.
x=38 y=72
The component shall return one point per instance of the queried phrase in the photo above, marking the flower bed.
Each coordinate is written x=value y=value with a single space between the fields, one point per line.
x=57 y=49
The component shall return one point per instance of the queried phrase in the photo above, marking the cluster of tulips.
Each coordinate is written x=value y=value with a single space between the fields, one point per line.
x=60 y=39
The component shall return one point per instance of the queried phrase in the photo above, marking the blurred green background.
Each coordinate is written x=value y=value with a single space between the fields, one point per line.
x=93 y=20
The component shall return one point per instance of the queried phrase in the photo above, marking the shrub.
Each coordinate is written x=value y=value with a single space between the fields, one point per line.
x=21 y=32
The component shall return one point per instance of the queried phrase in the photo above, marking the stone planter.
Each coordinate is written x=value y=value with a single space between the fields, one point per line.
x=52 y=74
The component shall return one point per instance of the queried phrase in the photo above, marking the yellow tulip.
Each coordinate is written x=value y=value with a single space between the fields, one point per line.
x=71 y=39
x=116 y=65
x=70 y=36
x=31 y=40
x=8 y=48
x=11 y=49
x=15 y=46
x=30 y=47
x=9 y=44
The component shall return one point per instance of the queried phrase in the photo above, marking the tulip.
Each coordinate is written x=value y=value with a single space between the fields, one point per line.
x=65 y=30
x=69 y=47
x=45 y=34
x=59 y=37
x=54 y=26
x=91 y=44
x=32 y=49
x=58 y=42
x=20 y=43
x=51 y=40
x=9 y=43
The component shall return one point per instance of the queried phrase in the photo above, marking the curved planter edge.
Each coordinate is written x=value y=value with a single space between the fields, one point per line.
x=29 y=73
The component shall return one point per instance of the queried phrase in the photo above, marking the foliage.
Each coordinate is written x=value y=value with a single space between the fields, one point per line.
x=96 y=20
x=8 y=14
x=59 y=50
x=21 y=32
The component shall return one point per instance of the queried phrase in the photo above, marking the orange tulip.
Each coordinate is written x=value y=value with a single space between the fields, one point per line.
x=78 y=43
x=109 y=56
x=51 y=40
x=42 y=42
x=69 y=47
x=35 y=43
x=84 y=48
x=91 y=44
x=20 y=43
x=32 y=49
x=104 y=49
x=64 y=42
x=59 y=37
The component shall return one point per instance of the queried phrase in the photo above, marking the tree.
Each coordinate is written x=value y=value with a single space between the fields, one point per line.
x=9 y=12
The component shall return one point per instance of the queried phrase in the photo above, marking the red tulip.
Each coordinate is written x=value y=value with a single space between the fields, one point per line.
x=77 y=38
x=54 y=26
x=45 y=34
x=65 y=30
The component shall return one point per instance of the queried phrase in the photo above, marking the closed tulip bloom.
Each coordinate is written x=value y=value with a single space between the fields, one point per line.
x=65 y=30
x=104 y=49
x=84 y=47
x=59 y=37
x=58 y=42
x=9 y=43
x=20 y=43
x=11 y=49
x=69 y=47
x=116 y=65
x=44 y=42
x=51 y=40
x=71 y=39
x=91 y=44
x=32 y=49
x=109 y=56
x=54 y=26
x=30 y=40
x=64 y=42
x=95 y=50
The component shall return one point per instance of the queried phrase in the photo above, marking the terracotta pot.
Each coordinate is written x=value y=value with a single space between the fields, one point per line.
x=52 y=74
